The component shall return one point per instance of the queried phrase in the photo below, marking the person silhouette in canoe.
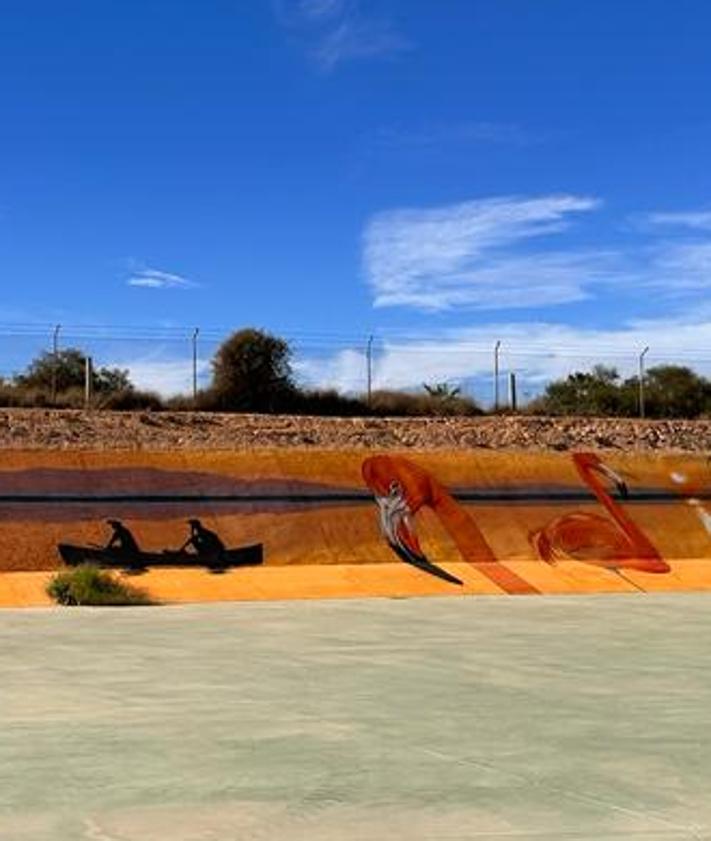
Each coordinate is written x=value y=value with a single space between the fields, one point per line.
x=207 y=544
x=122 y=539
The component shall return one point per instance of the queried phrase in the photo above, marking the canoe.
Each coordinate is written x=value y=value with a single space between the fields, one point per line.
x=240 y=557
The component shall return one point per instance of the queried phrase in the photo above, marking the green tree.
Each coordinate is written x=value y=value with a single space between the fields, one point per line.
x=252 y=372
x=672 y=391
x=67 y=371
x=596 y=392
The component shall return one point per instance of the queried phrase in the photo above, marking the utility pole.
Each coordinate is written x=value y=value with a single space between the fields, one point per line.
x=497 y=347
x=196 y=333
x=369 y=362
x=55 y=361
x=88 y=376
x=641 y=381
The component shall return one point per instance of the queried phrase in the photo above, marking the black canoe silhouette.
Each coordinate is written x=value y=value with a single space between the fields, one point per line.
x=240 y=557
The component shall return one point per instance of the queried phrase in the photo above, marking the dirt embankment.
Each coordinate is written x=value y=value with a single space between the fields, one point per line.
x=54 y=429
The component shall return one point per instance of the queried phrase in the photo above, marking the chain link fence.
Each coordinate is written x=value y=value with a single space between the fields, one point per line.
x=495 y=371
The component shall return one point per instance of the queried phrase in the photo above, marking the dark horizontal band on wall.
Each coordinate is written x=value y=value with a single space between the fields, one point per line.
x=493 y=496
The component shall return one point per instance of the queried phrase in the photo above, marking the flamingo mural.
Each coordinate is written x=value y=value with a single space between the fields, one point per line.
x=614 y=543
x=401 y=488
x=459 y=521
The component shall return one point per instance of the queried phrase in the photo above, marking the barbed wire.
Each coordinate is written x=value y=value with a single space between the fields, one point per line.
x=175 y=358
x=396 y=341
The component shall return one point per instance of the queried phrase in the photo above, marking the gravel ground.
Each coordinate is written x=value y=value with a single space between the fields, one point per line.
x=62 y=429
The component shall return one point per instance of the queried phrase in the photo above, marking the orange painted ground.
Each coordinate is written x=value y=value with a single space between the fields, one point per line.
x=338 y=550
x=27 y=589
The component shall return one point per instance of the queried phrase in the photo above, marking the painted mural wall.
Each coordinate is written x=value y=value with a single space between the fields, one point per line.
x=517 y=520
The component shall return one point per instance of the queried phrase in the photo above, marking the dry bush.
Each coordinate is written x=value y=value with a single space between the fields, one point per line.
x=205 y=401
x=326 y=403
x=129 y=400
x=14 y=396
x=385 y=402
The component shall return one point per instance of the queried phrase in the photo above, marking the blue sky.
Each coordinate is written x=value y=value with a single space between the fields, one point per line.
x=440 y=174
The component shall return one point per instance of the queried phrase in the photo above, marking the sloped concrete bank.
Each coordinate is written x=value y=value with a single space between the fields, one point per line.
x=342 y=523
x=44 y=429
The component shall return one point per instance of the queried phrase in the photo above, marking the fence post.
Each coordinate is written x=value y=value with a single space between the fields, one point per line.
x=88 y=371
x=512 y=392
x=369 y=363
x=497 y=347
x=641 y=381
x=55 y=361
x=196 y=333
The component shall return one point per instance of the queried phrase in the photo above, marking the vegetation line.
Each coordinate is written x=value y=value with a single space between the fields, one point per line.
x=252 y=372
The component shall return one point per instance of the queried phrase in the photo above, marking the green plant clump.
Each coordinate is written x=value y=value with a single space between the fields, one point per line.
x=90 y=585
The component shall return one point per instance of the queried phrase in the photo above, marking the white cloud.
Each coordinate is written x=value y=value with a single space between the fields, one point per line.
x=439 y=135
x=459 y=255
x=337 y=31
x=682 y=266
x=488 y=254
x=345 y=370
x=320 y=10
x=699 y=219
x=537 y=351
x=355 y=38
x=167 y=376
x=154 y=279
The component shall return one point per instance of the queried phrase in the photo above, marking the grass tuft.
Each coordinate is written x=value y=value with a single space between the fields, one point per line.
x=90 y=585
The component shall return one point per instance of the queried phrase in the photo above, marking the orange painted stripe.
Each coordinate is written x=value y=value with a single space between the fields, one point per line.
x=507 y=579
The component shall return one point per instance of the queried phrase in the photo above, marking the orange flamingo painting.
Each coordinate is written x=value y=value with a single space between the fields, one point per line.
x=614 y=543
x=401 y=489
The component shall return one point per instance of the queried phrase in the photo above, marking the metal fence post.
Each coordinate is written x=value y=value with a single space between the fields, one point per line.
x=641 y=381
x=88 y=377
x=369 y=363
x=196 y=333
x=513 y=401
x=497 y=347
x=55 y=361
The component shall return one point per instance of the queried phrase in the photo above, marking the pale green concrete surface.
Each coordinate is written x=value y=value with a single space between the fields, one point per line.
x=548 y=718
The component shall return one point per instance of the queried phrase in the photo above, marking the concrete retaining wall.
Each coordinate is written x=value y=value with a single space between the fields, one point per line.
x=353 y=523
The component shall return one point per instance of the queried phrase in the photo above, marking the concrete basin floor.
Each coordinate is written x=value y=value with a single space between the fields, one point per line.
x=456 y=718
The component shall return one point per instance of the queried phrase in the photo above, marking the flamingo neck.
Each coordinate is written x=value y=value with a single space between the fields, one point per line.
x=461 y=528
x=641 y=546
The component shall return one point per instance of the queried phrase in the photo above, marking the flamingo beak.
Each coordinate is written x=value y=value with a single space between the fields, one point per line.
x=397 y=526
x=616 y=479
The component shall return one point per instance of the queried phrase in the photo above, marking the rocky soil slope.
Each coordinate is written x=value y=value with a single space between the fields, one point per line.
x=54 y=429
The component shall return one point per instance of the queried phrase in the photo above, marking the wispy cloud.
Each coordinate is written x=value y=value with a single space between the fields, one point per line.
x=355 y=38
x=695 y=219
x=681 y=260
x=424 y=138
x=337 y=31
x=320 y=10
x=465 y=255
x=679 y=267
x=155 y=279
x=538 y=352
x=490 y=254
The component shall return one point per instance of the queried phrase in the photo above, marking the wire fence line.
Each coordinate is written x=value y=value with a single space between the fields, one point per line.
x=483 y=366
